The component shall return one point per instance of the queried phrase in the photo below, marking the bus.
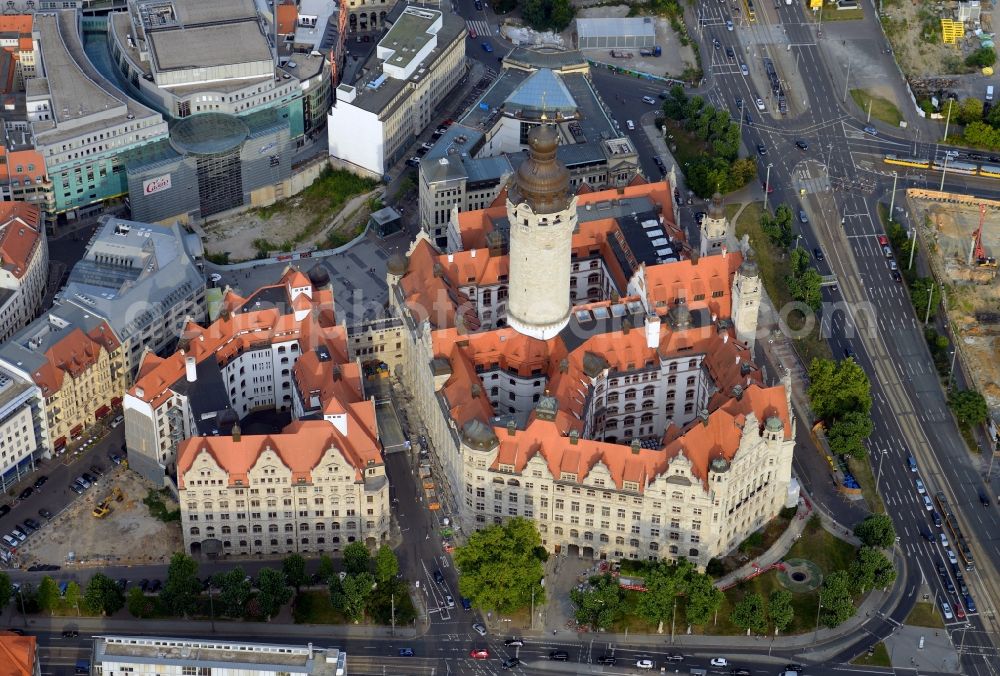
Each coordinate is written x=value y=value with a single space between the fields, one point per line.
x=907 y=161
x=751 y=14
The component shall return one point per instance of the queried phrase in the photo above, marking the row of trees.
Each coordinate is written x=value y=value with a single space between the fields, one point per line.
x=716 y=166
x=750 y=612
x=603 y=602
x=542 y=15
x=371 y=586
x=840 y=396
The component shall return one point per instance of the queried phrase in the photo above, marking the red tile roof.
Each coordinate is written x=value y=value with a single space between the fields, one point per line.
x=76 y=352
x=20 y=236
x=17 y=654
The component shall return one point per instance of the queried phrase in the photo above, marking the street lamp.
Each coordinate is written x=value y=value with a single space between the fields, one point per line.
x=819 y=606
x=767 y=184
x=878 y=474
x=944 y=172
x=892 y=199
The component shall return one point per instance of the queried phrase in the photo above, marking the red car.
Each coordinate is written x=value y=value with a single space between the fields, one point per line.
x=479 y=654
x=959 y=611
x=883 y=240
x=768 y=187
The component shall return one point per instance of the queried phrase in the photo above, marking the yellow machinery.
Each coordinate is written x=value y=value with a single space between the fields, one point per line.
x=102 y=510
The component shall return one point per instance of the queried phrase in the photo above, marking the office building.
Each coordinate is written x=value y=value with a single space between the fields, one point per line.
x=416 y=63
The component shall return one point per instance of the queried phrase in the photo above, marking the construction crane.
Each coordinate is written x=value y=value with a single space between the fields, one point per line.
x=978 y=252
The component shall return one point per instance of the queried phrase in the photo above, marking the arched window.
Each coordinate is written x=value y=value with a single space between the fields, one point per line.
x=195 y=531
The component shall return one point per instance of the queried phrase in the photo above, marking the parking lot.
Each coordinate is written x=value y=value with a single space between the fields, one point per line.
x=127 y=534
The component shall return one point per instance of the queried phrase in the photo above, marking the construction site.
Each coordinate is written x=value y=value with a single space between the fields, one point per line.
x=962 y=235
x=108 y=525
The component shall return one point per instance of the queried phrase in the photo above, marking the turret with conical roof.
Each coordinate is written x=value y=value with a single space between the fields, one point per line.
x=714 y=227
x=542 y=214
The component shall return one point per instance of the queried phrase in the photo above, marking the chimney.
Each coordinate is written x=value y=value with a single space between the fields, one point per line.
x=511 y=428
x=703 y=415
x=652 y=331
x=472 y=253
x=574 y=438
x=139 y=392
x=476 y=390
x=310 y=650
x=626 y=326
x=725 y=338
x=451 y=258
x=724 y=252
x=694 y=257
x=237 y=433
x=191 y=367
x=636 y=446
x=337 y=373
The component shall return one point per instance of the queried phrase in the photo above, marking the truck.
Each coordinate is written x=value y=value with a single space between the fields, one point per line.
x=651 y=51
x=621 y=54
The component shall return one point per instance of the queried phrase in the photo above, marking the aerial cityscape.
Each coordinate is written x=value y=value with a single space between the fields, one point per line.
x=546 y=337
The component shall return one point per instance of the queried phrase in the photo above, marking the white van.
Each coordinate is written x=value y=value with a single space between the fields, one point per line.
x=989 y=92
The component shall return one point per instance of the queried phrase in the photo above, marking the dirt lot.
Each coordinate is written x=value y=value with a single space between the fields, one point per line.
x=974 y=292
x=676 y=57
x=128 y=535
x=909 y=20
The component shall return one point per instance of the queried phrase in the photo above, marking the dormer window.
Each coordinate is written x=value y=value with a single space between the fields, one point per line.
x=631 y=486
x=509 y=469
x=568 y=476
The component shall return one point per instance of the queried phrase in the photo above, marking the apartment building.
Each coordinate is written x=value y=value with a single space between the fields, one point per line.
x=77 y=362
x=23 y=439
x=17 y=40
x=19 y=655
x=24 y=265
x=416 y=63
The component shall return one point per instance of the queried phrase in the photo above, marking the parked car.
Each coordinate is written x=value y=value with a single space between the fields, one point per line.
x=83 y=482
x=559 y=655
x=744 y=70
x=10 y=541
x=944 y=540
x=922 y=490
x=984 y=499
x=801 y=145
x=466 y=603
x=438 y=576
x=487 y=47
x=97 y=470
x=761 y=149
x=649 y=99
x=89 y=477
x=969 y=603
x=4 y=510
x=449 y=602
x=479 y=628
x=951 y=557
x=818 y=253
x=413 y=162
x=76 y=488
x=40 y=481
x=32 y=524
x=26 y=493
x=760 y=104
x=946 y=610
x=115 y=458
x=630 y=125
x=803 y=217
x=883 y=240
x=927 y=504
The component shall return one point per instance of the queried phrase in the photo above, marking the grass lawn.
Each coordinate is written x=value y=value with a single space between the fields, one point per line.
x=731 y=210
x=774 y=267
x=828 y=552
x=862 y=471
x=688 y=146
x=924 y=614
x=882 y=109
x=880 y=658
x=314 y=607
x=831 y=13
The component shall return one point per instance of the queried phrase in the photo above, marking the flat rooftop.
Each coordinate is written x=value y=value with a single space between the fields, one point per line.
x=409 y=35
x=224 y=44
x=375 y=100
x=75 y=86
x=166 y=13
x=218 y=654
x=615 y=27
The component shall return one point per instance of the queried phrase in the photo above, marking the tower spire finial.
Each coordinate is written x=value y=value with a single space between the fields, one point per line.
x=544 y=116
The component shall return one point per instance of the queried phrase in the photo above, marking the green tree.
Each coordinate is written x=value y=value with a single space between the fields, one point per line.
x=836 y=387
x=835 y=596
x=922 y=291
x=969 y=110
x=676 y=103
x=871 y=569
x=234 y=591
x=6 y=589
x=748 y=613
x=356 y=558
x=294 y=568
x=983 y=57
x=386 y=564
x=103 y=595
x=560 y=14
x=326 y=569
x=968 y=406
x=876 y=531
x=273 y=591
x=703 y=598
x=664 y=582
x=502 y=567
x=742 y=172
x=182 y=587
x=533 y=13
x=351 y=594
x=48 y=595
x=600 y=605
x=72 y=596
x=504 y=6
x=847 y=434
x=139 y=605
x=780 y=609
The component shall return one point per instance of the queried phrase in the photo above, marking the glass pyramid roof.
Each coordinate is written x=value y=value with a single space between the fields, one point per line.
x=543 y=90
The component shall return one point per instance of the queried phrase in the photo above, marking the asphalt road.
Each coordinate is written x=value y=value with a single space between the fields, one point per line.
x=910 y=411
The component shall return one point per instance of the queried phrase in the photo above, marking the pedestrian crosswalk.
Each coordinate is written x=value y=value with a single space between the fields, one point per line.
x=481 y=27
